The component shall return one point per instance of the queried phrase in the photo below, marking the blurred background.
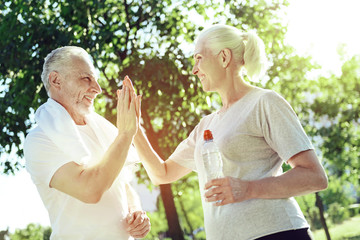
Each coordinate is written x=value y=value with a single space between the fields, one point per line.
x=314 y=53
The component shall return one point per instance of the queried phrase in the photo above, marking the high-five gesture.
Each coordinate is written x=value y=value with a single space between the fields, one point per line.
x=127 y=83
x=128 y=111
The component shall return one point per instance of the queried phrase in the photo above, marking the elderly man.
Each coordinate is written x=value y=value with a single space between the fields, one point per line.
x=80 y=163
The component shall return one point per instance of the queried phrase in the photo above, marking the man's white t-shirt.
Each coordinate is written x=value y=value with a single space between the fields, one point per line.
x=70 y=218
x=255 y=136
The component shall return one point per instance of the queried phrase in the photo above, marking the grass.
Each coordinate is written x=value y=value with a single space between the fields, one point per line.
x=348 y=230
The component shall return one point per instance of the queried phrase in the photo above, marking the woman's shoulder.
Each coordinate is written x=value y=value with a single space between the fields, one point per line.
x=271 y=101
x=269 y=96
x=207 y=118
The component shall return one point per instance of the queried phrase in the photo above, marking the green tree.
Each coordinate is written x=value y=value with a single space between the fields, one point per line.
x=150 y=42
x=331 y=116
x=32 y=232
x=125 y=37
x=337 y=109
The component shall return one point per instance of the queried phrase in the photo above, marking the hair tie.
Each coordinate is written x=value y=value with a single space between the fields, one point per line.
x=244 y=36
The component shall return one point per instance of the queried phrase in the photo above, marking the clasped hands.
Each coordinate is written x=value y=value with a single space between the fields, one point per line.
x=227 y=190
x=137 y=224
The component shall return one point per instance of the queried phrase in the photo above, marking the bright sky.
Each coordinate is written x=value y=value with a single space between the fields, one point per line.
x=20 y=203
x=316 y=27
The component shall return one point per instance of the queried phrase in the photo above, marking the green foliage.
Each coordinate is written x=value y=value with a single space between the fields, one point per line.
x=354 y=209
x=337 y=108
x=348 y=230
x=335 y=122
x=120 y=37
x=150 y=42
x=336 y=199
x=158 y=226
x=310 y=211
x=188 y=204
x=338 y=213
x=314 y=217
x=338 y=191
x=32 y=232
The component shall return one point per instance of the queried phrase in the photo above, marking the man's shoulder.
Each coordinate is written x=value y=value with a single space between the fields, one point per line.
x=35 y=135
x=35 y=132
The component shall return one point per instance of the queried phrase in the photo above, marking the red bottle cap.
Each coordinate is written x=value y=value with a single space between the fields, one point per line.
x=208 y=135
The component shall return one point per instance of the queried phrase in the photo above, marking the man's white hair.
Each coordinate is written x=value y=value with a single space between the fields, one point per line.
x=57 y=59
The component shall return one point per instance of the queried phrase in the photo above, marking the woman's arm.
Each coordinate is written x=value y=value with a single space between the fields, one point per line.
x=159 y=171
x=306 y=176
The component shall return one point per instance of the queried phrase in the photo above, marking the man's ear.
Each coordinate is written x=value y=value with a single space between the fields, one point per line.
x=226 y=56
x=54 y=80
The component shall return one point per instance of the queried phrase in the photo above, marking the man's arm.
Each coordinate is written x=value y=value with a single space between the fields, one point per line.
x=88 y=183
x=133 y=199
x=306 y=176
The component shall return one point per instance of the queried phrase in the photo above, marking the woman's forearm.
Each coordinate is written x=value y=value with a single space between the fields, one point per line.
x=154 y=165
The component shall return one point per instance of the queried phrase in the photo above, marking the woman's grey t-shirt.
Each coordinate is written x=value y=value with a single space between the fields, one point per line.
x=256 y=135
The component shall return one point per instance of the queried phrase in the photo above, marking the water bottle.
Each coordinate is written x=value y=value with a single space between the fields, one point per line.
x=211 y=157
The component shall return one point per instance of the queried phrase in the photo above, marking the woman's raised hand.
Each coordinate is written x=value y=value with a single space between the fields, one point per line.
x=127 y=83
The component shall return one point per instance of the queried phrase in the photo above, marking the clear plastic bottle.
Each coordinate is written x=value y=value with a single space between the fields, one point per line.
x=211 y=157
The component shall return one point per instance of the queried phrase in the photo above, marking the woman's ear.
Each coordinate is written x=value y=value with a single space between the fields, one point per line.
x=54 y=80
x=226 y=56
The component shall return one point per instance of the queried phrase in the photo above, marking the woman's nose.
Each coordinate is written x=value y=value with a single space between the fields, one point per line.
x=195 y=69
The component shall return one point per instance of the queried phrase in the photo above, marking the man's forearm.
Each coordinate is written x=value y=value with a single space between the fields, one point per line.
x=101 y=176
x=133 y=198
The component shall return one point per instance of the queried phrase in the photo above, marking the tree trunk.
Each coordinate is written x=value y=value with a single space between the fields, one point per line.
x=320 y=205
x=187 y=219
x=175 y=231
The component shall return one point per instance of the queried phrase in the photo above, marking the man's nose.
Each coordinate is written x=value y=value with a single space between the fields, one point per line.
x=96 y=87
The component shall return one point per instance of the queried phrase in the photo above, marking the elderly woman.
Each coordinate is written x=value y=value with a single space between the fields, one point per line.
x=256 y=131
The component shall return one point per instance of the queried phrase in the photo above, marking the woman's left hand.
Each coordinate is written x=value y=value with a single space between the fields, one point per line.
x=227 y=190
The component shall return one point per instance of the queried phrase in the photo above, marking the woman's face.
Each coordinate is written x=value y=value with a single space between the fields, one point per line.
x=207 y=67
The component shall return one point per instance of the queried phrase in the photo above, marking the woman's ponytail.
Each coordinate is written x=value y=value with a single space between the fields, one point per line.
x=254 y=56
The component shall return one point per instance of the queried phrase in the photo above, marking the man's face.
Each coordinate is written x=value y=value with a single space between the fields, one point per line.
x=79 y=87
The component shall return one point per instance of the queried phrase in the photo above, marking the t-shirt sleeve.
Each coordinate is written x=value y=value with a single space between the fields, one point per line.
x=281 y=127
x=184 y=153
x=42 y=158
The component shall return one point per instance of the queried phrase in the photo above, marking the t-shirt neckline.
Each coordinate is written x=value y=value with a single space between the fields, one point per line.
x=218 y=113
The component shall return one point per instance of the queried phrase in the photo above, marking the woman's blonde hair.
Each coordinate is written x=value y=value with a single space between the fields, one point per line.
x=247 y=48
